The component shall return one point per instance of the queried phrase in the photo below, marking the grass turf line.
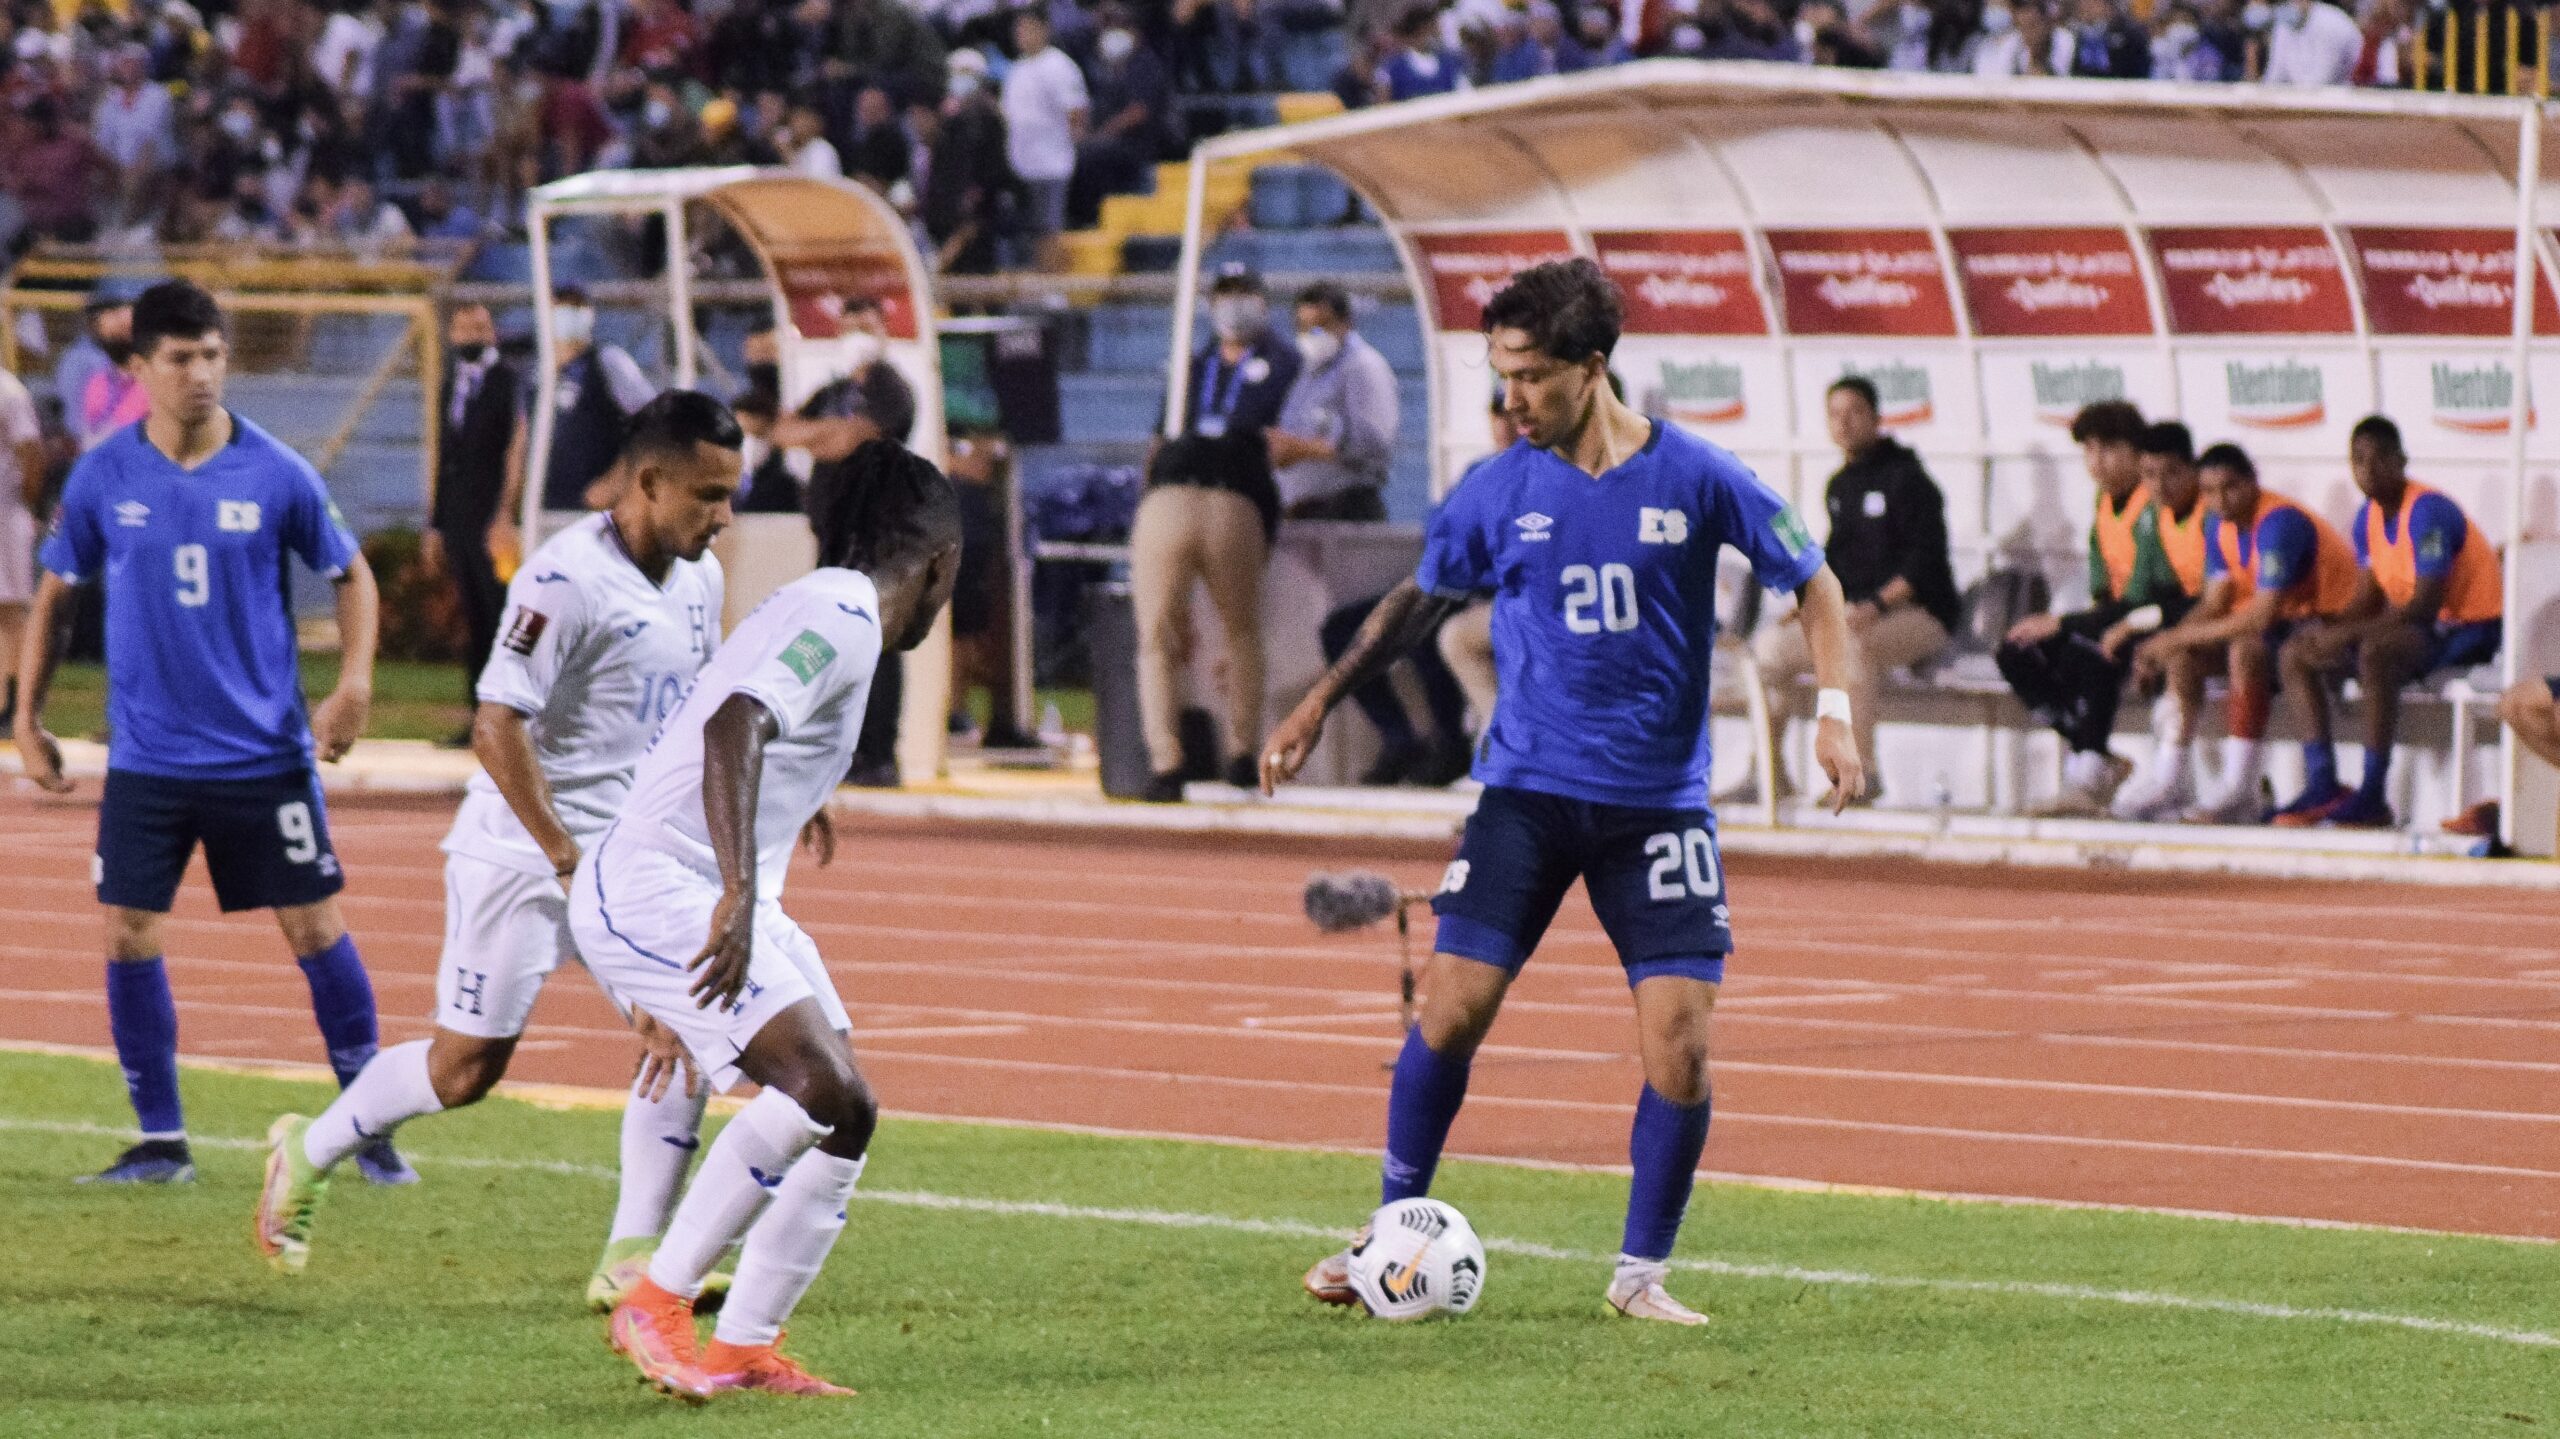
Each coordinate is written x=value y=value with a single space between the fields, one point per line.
x=978 y=1293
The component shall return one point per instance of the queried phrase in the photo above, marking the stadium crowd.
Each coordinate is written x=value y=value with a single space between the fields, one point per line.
x=372 y=123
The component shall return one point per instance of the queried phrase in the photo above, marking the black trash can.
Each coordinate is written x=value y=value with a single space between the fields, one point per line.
x=1111 y=648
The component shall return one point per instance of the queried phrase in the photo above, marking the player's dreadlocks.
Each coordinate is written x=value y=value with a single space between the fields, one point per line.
x=887 y=505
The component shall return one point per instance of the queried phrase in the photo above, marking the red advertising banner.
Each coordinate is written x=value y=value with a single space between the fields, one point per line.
x=1862 y=282
x=1685 y=282
x=1467 y=271
x=816 y=291
x=2444 y=282
x=2252 y=280
x=2033 y=284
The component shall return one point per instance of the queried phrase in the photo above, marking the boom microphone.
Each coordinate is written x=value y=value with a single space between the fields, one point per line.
x=1341 y=903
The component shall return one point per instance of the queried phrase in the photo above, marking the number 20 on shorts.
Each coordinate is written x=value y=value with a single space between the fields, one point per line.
x=1684 y=866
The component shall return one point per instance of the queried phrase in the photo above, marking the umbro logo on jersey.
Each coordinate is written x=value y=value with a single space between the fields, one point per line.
x=1662 y=527
x=239 y=517
x=133 y=514
x=1535 y=526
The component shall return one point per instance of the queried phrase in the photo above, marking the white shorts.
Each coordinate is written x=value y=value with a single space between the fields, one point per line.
x=17 y=553
x=504 y=932
x=640 y=917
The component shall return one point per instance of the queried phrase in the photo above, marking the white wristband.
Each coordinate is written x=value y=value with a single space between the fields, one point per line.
x=1831 y=704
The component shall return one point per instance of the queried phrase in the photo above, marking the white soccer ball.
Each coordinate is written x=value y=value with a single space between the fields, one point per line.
x=1417 y=1257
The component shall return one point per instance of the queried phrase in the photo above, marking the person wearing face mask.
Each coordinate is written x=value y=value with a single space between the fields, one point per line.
x=1132 y=96
x=111 y=398
x=2021 y=39
x=2312 y=44
x=1337 y=429
x=480 y=441
x=1208 y=517
x=2108 y=43
x=968 y=176
x=1420 y=65
x=600 y=387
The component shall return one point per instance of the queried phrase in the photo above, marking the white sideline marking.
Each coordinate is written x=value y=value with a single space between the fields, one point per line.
x=2176 y=986
x=1297 y=1229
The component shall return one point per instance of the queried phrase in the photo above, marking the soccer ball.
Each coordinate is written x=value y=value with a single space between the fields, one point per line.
x=1417 y=1257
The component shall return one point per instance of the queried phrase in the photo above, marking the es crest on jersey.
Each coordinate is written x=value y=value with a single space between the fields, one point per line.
x=238 y=517
x=1662 y=527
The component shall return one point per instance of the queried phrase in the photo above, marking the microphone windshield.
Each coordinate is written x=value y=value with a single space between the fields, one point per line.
x=1339 y=903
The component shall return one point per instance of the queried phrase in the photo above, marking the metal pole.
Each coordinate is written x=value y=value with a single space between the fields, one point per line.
x=2519 y=428
x=1186 y=296
x=546 y=380
x=1018 y=617
x=680 y=293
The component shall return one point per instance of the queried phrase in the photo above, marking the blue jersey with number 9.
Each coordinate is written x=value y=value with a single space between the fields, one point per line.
x=204 y=677
x=1604 y=609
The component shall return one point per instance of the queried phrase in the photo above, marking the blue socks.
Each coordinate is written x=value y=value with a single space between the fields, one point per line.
x=2319 y=767
x=342 y=1000
x=2377 y=774
x=144 y=1020
x=1663 y=1146
x=1427 y=1092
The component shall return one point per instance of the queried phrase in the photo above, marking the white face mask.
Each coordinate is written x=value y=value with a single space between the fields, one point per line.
x=1687 y=40
x=1318 y=347
x=963 y=84
x=2258 y=15
x=657 y=113
x=2181 y=35
x=862 y=350
x=1238 y=317
x=573 y=324
x=1996 y=20
x=2294 y=13
x=239 y=125
x=1116 y=45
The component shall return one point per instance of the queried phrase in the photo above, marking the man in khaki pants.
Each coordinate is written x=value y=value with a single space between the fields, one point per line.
x=1209 y=513
x=1888 y=545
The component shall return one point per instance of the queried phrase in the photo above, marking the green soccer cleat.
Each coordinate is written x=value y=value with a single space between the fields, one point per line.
x=623 y=1264
x=290 y=1197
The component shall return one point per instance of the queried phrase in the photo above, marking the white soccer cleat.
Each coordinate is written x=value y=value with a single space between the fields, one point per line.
x=2240 y=805
x=1639 y=1295
x=2156 y=792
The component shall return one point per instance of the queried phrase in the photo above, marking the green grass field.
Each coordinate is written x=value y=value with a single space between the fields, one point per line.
x=410 y=700
x=1008 y=1282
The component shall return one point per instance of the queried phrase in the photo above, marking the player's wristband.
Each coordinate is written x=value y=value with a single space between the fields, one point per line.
x=1831 y=704
x=2145 y=620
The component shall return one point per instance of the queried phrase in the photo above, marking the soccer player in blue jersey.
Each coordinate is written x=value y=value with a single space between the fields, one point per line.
x=186 y=518
x=1597 y=533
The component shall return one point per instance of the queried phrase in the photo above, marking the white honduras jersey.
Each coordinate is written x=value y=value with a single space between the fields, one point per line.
x=595 y=657
x=807 y=655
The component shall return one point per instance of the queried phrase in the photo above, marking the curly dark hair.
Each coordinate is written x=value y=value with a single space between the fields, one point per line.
x=888 y=506
x=1570 y=310
x=2107 y=422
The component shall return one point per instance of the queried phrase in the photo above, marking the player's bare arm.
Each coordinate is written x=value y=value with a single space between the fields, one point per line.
x=1824 y=612
x=2215 y=621
x=733 y=742
x=1402 y=620
x=503 y=743
x=37 y=752
x=339 y=721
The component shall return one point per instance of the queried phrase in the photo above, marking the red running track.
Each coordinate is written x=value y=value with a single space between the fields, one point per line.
x=2363 y=1054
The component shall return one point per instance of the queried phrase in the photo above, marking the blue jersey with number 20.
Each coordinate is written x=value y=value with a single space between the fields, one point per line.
x=1604 y=609
x=203 y=677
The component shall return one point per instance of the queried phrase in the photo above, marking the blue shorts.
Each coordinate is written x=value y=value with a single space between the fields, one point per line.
x=1654 y=877
x=266 y=840
x=2460 y=647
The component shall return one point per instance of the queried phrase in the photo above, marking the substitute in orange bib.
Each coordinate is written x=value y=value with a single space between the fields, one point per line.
x=2430 y=599
x=2270 y=564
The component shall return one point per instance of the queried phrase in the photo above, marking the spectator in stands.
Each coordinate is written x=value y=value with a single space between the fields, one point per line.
x=441 y=216
x=2146 y=564
x=879 y=153
x=2312 y=44
x=361 y=220
x=342 y=50
x=1356 y=83
x=1208 y=517
x=56 y=174
x=2108 y=43
x=1537 y=47
x=2028 y=44
x=111 y=398
x=1601 y=42
x=480 y=444
x=1045 y=106
x=106 y=327
x=1420 y=65
x=1954 y=36
x=2430 y=598
x=135 y=127
x=2269 y=564
x=808 y=151
x=1132 y=105
x=888 y=44
x=1888 y=545
x=600 y=387
x=23 y=464
x=968 y=188
x=1752 y=30
x=2385 y=61
x=1337 y=429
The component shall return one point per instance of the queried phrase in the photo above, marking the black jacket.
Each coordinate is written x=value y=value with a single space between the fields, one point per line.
x=471 y=456
x=1889 y=522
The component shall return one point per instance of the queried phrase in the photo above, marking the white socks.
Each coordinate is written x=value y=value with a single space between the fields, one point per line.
x=787 y=1247
x=392 y=1089
x=739 y=1175
x=659 y=1137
